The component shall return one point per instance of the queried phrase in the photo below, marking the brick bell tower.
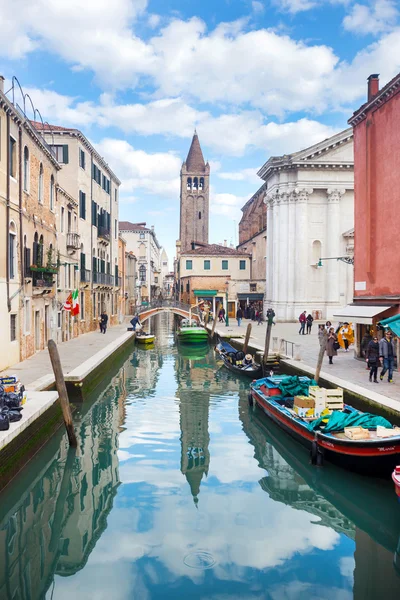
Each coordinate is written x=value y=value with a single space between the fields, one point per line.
x=195 y=197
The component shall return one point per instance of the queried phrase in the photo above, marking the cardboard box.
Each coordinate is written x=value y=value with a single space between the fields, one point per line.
x=304 y=411
x=303 y=406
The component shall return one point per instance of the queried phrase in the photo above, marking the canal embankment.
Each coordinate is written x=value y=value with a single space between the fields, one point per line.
x=346 y=372
x=85 y=362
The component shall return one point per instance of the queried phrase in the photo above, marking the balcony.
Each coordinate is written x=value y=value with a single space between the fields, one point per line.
x=42 y=279
x=73 y=241
x=103 y=278
x=103 y=233
x=85 y=275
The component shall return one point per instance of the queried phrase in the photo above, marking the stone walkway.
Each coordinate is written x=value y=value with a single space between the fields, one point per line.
x=345 y=366
x=72 y=355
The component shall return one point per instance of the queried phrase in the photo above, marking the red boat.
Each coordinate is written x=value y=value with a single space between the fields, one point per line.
x=373 y=456
x=396 y=480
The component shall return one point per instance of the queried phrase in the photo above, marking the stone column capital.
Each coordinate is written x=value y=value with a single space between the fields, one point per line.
x=334 y=194
x=302 y=194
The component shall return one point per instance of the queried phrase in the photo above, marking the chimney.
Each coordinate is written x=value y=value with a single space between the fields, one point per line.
x=373 y=86
x=224 y=242
x=152 y=227
x=2 y=84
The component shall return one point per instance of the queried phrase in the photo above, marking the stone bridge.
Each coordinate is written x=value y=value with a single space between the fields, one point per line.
x=178 y=308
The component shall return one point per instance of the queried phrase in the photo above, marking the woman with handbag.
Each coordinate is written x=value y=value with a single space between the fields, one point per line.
x=332 y=345
x=373 y=359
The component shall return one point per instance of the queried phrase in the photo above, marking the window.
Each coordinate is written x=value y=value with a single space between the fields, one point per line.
x=62 y=219
x=253 y=287
x=141 y=235
x=199 y=215
x=242 y=265
x=26 y=169
x=13 y=328
x=52 y=192
x=224 y=265
x=13 y=158
x=94 y=305
x=61 y=153
x=82 y=205
x=96 y=174
x=189 y=265
x=142 y=273
x=195 y=184
x=41 y=176
x=188 y=287
x=207 y=265
x=27 y=316
x=59 y=320
x=201 y=184
x=12 y=251
x=115 y=228
x=82 y=157
x=155 y=279
x=116 y=195
x=82 y=307
x=189 y=183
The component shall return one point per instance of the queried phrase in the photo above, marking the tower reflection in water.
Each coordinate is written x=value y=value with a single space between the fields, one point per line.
x=362 y=508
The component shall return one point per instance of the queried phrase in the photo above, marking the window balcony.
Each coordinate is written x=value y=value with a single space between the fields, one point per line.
x=103 y=278
x=103 y=233
x=85 y=275
x=73 y=241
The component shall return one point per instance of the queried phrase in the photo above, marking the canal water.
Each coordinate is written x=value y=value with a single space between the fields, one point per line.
x=179 y=490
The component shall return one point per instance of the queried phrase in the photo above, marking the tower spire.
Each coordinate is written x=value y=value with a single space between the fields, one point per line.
x=195 y=160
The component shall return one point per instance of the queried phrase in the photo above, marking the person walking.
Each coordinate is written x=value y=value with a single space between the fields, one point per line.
x=259 y=317
x=221 y=315
x=373 y=359
x=309 y=323
x=103 y=321
x=239 y=316
x=331 y=345
x=386 y=352
x=302 y=321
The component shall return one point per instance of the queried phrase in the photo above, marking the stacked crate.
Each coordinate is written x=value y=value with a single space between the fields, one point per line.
x=326 y=399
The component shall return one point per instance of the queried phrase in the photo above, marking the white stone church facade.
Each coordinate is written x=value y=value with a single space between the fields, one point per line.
x=310 y=215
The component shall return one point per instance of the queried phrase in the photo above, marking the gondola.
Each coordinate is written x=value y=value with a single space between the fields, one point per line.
x=373 y=456
x=234 y=361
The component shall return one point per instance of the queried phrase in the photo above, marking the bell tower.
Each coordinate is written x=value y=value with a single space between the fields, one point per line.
x=195 y=200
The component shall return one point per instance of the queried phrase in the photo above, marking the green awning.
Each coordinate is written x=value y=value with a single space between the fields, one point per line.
x=205 y=292
x=392 y=323
x=250 y=296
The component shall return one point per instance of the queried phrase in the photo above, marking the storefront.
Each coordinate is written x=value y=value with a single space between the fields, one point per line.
x=248 y=301
x=210 y=299
x=365 y=320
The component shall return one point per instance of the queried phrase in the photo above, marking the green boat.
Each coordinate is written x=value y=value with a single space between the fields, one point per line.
x=192 y=333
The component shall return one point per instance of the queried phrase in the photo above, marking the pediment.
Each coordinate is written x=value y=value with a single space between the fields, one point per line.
x=336 y=149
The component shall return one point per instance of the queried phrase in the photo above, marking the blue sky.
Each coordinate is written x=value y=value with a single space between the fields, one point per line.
x=256 y=77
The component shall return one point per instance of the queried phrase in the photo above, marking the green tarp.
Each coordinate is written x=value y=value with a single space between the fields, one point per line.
x=392 y=323
x=293 y=386
x=338 y=420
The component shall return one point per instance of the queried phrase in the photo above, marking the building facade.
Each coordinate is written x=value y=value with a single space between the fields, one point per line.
x=142 y=242
x=310 y=216
x=194 y=197
x=252 y=239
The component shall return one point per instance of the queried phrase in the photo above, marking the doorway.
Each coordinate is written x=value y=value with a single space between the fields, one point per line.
x=46 y=323
x=37 y=330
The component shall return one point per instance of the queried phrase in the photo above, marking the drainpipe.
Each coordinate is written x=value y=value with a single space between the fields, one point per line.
x=8 y=213
x=21 y=236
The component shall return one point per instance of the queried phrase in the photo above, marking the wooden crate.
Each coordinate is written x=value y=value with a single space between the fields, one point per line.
x=356 y=433
x=331 y=399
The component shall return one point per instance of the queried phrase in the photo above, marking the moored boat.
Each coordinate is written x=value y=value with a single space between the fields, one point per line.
x=145 y=338
x=372 y=454
x=396 y=480
x=235 y=361
x=192 y=333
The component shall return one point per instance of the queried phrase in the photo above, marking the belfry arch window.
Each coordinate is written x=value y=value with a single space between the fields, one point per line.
x=201 y=184
x=189 y=183
x=195 y=183
x=199 y=215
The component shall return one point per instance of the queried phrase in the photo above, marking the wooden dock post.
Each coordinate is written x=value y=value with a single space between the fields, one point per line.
x=267 y=342
x=215 y=319
x=322 y=349
x=246 y=339
x=62 y=392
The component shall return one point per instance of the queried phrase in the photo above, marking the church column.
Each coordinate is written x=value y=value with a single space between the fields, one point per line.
x=333 y=246
x=269 y=249
x=301 y=250
x=275 y=251
x=283 y=255
x=291 y=253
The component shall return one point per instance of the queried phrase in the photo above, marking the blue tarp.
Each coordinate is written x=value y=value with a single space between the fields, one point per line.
x=338 y=420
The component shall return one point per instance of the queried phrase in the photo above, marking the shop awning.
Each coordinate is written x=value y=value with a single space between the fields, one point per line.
x=358 y=313
x=250 y=296
x=205 y=293
x=392 y=323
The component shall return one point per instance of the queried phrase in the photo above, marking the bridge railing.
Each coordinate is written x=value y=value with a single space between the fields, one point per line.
x=168 y=304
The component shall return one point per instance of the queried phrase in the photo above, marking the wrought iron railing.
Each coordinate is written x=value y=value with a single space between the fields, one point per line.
x=103 y=232
x=85 y=275
x=104 y=278
x=73 y=240
x=163 y=303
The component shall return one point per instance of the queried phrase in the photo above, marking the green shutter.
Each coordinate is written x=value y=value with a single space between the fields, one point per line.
x=65 y=154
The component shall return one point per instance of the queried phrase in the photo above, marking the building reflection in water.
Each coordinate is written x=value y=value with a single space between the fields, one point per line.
x=362 y=508
x=51 y=524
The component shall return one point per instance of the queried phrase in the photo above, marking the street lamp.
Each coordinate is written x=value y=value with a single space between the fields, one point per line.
x=346 y=259
x=227 y=307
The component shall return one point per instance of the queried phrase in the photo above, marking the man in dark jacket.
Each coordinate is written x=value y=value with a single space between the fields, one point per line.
x=386 y=352
x=302 y=321
x=103 y=321
x=239 y=315
x=135 y=321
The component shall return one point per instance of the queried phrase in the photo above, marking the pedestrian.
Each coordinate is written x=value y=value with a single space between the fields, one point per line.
x=373 y=359
x=239 y=316
x=221 y=315
x=302 y=321
x=103 y=321
x=135 y=322
x=259 y=317
x=331 y=345
x=328 y=325
x=270 y=316
x=309 y=320
x=252 y=313
x=246 y=312
x=322 y=333
x=386 y=352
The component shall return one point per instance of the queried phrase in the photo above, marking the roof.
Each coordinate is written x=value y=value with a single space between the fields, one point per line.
x=359 y=313
x=45 y=127
x=195 y=160
x=214 y=250
x=128 y=226
x=388 y=90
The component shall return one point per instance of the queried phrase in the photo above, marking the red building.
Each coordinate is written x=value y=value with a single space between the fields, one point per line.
x=376 y=127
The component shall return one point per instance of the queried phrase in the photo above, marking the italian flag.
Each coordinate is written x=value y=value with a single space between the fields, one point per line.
x=72 y=303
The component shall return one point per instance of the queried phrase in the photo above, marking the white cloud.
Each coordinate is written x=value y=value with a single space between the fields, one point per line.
x=249 y=175
x=227 y=204
x=379 y=16
x=257 y=7
x=297 y=6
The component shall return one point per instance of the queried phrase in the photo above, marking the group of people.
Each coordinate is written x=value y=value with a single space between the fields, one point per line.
x=384 y=351
x=305 y=320
x=343 y=337
x=255 y=314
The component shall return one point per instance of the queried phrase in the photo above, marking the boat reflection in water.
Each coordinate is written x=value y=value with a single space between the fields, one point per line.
x=364 y=509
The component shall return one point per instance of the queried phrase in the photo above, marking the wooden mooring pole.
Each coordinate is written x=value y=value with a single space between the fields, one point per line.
x=322 y=347
x=62 y=392
x=215 y=319
x=247 y=338
x=267 y=343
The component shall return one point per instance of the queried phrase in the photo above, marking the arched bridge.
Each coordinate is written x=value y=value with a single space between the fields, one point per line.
x=178 y=308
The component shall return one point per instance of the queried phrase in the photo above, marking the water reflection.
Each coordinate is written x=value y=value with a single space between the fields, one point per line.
x=167 y=474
